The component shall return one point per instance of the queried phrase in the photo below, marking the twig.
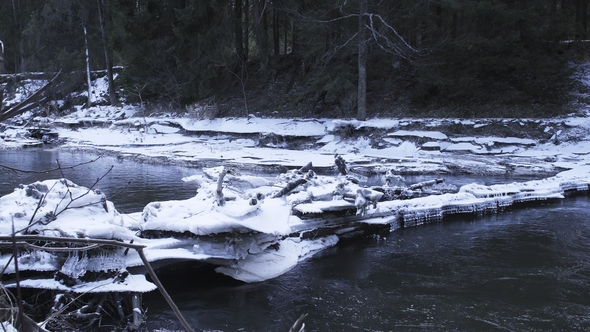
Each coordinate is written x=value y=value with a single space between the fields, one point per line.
x=118 y=192
x=72 y=199
x=7 y=264
x=51 y=249
x=298 y=326
x=14 y=169
x=19 y=301
x=163 y=290
x=55 y=314
x=39 y=205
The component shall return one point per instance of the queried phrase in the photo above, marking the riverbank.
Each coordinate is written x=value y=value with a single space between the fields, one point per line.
x=405 y=146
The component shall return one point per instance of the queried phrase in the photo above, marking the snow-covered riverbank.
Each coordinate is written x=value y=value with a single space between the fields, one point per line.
x=407 y=146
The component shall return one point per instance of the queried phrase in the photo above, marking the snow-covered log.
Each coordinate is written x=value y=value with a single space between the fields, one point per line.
x=26 y=104
x=294 y=184
x=423 y=184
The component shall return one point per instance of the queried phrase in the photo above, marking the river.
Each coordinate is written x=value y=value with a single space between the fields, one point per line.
x=524 y=269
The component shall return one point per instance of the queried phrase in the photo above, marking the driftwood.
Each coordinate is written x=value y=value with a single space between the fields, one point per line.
x=411 y=191
x=340 y=164
x=306 y=168
x=219 y=192
x=299 y=325
x=26 y=104
x=294 y=184
x=308 y=172
x=423 y=184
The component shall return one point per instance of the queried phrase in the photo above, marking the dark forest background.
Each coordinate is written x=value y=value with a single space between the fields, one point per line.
x=287 y=58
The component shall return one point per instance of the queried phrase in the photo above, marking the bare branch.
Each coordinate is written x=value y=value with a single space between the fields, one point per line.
x=22 y=106
x=328 y=56
x=52 y=249
x=73 y=199
x=59 y=168
x=390 y=46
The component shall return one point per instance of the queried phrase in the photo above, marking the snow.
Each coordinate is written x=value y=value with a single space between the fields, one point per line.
x=427 y=134
x=253 y=234
x=135 y=283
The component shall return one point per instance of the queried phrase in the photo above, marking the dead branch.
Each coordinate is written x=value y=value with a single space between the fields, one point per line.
x=219 y=191
x=299 y=325
x=423 y=184
x=18 y=170
x=291 y=185
x=308 y=167
x=31 y=222
x=19 y=298
x=55 y=213
x=341 y=164
x=52 y=249
x=73 y=199
x=62 y=309
x=22 y=106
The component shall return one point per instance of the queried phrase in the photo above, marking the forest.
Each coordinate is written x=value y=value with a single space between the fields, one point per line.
x=304 y=58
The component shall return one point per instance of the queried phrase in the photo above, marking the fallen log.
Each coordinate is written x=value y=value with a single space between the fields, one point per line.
x=308 y=167
x=26 y=104
x=423 y=184
x=299 y=325
x=291 y=185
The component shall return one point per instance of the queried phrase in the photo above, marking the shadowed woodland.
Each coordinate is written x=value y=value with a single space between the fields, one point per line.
x=500 y=58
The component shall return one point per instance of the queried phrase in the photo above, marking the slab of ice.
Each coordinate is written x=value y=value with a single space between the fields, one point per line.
x=274 y=262
x=419 y=133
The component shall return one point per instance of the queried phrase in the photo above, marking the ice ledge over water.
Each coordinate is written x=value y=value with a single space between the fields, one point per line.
x=254 y=236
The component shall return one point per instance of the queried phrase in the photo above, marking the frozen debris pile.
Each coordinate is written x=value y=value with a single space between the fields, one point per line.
x=62 y=209
x=255 y=234
x=252 y=228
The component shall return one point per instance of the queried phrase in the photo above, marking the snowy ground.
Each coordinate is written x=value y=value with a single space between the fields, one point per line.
x=405 y=145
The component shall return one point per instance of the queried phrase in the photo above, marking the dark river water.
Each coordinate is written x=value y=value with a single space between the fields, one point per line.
x=521 y=270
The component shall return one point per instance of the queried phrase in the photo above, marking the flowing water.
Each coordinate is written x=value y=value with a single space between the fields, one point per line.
x=520 y=270
x=517 y=271
x=128 y=184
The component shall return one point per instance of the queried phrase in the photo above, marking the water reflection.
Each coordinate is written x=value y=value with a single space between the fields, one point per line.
x=518 y=270
x=130 y=185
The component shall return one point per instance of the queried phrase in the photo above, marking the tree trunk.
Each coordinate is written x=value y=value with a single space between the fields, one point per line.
x=239 y=38
x=261 y=36
x=285 y=32
x=88 y=80
x=19 y=65
x=107 y=52
x=275 y=32
x=362 y=64
x=246 y=29
x=584 y=18
x=294 y=36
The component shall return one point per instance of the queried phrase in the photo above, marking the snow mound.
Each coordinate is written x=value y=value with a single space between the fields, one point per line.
x=61 y=208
